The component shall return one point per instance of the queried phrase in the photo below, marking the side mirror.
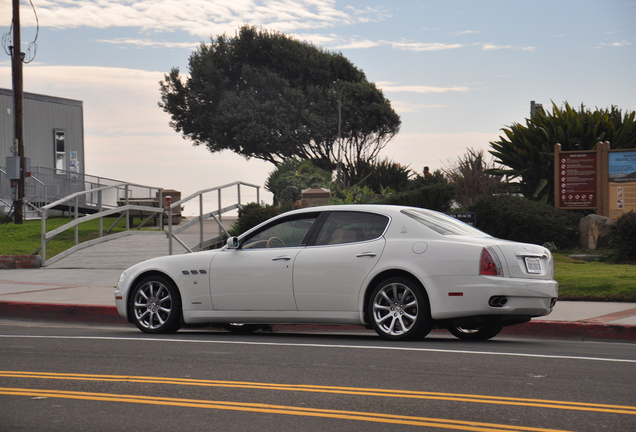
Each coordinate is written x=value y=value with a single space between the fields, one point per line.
x=233 y=243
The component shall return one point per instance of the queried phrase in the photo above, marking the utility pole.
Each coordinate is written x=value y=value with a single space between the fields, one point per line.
x=339 y=176
x=16 y=64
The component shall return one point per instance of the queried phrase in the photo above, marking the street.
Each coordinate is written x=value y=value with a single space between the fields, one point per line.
x=63 y=377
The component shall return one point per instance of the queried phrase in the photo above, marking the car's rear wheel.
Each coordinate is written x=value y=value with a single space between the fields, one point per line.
x=241 y=328
x=482 y=332
x=156 y=305
x=399 y=310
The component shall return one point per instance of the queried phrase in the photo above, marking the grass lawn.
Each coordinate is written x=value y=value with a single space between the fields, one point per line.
x=25 y=239
x=594 y=280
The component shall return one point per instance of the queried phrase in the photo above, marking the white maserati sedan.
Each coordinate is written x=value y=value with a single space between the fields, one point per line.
x=399 y=270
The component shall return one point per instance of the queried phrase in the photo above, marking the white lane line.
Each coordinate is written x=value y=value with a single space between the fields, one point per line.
x=370 y=347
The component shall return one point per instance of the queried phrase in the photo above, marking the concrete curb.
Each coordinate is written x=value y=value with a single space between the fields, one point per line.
x=108 y=315
x=11 y=262
x=61 y=312
x=579 y=330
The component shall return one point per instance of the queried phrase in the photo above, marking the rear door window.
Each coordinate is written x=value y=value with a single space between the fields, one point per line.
x=348 y=227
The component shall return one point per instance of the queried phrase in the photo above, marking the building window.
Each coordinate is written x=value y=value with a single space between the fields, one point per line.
x=60 y=151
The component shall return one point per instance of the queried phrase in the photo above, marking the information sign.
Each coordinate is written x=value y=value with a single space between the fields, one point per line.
x=577 y=179
x=466 y=217
x=622 y=182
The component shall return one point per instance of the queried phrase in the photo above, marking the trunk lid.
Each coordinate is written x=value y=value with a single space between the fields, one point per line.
x=525 y=260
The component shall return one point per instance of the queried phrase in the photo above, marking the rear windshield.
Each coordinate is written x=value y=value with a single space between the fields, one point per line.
x=443 y=224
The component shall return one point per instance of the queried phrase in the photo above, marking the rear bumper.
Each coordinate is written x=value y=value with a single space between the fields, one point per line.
x=523 y=298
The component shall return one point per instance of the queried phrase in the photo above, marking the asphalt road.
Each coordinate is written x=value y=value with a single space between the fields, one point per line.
x=60 y=377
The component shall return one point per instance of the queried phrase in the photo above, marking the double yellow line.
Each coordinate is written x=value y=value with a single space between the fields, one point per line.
x=276 y=409
x=302 y=411
x=540 y=403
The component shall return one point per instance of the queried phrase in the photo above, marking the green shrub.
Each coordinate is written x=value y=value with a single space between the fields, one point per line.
x=422 y=180
x=435 y=197
x=623 y=237
x=251 y=215
x=470 y=176
x=519 y=219
x=355 y=195
x=288 y=180
x=385 y=175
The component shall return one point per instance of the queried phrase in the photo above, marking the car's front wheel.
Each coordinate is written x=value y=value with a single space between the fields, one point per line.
x=399 y=310
x=156 y=305
x=482 y=332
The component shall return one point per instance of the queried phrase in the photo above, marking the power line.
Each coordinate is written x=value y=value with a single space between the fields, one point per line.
x=32 y=47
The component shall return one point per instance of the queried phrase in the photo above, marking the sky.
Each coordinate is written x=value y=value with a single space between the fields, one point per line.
x=456 y=72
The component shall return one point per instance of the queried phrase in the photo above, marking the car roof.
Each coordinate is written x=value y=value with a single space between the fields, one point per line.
x=379 y=208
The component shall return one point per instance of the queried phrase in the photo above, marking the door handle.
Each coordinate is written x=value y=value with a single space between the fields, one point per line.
x=281 y=258
x=366 y=254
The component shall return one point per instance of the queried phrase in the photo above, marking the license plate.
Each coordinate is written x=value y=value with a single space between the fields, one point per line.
x=533 y=265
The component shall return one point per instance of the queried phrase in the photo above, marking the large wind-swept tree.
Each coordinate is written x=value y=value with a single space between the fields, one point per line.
x=268 y=96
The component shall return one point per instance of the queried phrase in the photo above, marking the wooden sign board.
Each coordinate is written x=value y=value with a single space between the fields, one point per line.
x=576 y=179
x=603 y=180
x=621 y=185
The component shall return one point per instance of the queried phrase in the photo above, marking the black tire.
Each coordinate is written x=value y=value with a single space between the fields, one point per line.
x=156 y=305
x=482 y=332
x=399 y=310
x=241 y=328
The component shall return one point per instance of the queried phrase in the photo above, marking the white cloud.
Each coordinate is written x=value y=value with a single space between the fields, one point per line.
x=356 y=44
x=494 y=47
x=149 y=43
x=197 y=17
x=392 y=87
x=402 y=107
x=614 y=44
x=423 y=46
x=336 y=42
x=464 y=32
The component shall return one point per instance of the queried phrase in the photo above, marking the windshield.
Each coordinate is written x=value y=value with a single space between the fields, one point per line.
x=443 y=224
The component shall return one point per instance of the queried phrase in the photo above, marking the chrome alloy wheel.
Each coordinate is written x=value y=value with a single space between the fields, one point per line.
x=152 y=305
x=395 y=309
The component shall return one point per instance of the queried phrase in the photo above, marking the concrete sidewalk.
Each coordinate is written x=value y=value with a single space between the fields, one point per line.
x=80 y=288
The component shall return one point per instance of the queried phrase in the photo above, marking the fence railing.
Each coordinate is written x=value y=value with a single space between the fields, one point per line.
x=104 y=203
x=46 y=185
x=76 y=204
x=216 y=215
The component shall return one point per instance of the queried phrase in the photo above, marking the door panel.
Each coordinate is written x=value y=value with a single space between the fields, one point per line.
x=253 y=279
x=329 y=277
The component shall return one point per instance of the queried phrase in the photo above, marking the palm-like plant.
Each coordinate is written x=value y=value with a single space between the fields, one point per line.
x=527 y=151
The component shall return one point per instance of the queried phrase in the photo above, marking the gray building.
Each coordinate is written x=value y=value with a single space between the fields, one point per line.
x=54 y=145
x=53 y=142
x=53 y=130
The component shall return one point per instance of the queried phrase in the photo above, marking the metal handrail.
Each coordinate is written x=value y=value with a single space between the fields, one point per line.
x=217 y=215
x=100 y=214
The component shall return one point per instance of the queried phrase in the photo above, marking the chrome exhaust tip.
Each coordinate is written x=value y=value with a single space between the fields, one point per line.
x=497 y=301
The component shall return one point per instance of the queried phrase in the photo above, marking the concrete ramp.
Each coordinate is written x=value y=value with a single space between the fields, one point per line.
x=117 y=254
x=123 y=252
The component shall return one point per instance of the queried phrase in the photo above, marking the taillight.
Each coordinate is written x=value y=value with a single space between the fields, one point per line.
x=489 y=264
